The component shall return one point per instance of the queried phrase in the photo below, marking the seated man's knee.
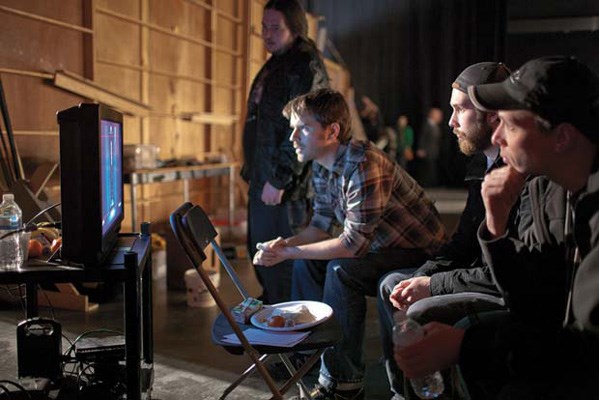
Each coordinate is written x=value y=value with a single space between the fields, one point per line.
x=300 y=267
x=386 y=284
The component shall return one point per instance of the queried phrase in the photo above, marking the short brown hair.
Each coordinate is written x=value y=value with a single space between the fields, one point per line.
x=326 y=106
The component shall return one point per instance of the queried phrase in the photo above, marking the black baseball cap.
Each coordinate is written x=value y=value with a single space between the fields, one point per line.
x=558 y=89
x=480 y=73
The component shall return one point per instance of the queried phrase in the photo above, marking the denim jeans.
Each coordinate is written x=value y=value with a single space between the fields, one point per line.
x=343 y=284
x=266 y=223
x=448 y=308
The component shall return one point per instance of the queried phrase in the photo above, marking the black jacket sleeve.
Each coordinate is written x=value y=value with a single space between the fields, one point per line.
x=305 y=75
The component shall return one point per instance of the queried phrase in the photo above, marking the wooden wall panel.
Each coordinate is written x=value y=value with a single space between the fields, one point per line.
x=119 y=42
x=133 y=129
x=123 y=81
x=34 y=45
x=163 y=134
x=182 y=58
x=29 y=45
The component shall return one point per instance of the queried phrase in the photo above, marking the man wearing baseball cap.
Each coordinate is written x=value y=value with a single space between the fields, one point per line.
x=455 y=282
x=549 y=126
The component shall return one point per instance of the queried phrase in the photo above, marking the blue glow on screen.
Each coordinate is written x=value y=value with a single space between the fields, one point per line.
x=110 y=173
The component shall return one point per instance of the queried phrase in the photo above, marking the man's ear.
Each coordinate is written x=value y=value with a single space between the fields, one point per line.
x=334 y=130
x=564 y=137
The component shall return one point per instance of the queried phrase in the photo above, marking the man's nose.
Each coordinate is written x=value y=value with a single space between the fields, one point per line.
x=453 y=121
x=498 y=139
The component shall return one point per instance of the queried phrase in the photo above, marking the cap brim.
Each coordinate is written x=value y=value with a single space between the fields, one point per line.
x=493 y=97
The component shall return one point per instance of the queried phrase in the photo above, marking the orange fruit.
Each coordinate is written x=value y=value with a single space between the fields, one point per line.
x=35 y=248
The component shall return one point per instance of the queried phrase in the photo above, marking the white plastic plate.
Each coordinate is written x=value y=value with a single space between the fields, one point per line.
x=319 y=310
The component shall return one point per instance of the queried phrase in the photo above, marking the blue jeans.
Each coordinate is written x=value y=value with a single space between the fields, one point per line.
x=266 y=223
x=448 y=308
x=343 y=284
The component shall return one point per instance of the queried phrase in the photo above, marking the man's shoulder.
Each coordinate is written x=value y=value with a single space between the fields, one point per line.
x=362 y=150
x=302 y=55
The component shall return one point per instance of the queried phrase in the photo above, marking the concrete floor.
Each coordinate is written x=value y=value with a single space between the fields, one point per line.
x=184 y=353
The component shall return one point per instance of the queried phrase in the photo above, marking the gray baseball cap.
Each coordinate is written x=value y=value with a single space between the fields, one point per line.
x=481 y=73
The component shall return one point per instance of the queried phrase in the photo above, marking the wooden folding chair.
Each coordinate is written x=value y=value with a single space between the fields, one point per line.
x=195 y=232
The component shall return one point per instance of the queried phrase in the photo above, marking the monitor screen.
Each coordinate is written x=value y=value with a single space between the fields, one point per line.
x=111 y=180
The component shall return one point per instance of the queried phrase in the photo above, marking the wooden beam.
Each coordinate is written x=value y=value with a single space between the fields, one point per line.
x=91 y=90
x=214 y=119
x=169 y=32
x=89 y=44
x=220 y=13
x=210 y=68
x=35 y=133
x=200 y=118
x=152 y=71
x=46 y=20
x=144 y=78
x=35 y=74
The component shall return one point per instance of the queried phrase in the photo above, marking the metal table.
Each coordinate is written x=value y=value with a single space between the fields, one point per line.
x=172 y=174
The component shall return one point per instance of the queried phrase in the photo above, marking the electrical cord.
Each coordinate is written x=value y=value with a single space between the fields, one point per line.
x=84 y=334
x=45 y=210
x=81 y=373
x=4 y=389
x=30 y=226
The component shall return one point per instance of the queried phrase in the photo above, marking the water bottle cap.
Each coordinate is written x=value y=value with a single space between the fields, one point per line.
x=8 y=197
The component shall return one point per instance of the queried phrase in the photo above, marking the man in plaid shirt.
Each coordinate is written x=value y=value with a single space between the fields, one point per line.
x=386 y=223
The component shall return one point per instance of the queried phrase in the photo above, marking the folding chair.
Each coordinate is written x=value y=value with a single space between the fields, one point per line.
x=195 y=232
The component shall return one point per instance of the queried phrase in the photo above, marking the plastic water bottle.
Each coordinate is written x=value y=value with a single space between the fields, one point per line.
x=406 y=331
x=10 y=220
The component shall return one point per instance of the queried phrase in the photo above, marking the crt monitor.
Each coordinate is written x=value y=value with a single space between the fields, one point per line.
x=91 y=182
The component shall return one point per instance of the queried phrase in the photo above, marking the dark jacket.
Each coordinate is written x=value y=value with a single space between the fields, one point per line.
x=458 y=267
x=269 y=155
x=533 y=274
x=530 y=267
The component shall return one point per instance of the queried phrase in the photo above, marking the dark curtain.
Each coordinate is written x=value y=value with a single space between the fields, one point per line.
x=404 y=54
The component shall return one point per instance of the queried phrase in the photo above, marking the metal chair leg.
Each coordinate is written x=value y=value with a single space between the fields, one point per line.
x=243 y=377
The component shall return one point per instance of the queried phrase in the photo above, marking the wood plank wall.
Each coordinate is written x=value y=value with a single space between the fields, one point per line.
x=189 y=62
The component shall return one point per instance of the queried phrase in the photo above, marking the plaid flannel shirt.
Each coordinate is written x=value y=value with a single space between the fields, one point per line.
x=377 y=202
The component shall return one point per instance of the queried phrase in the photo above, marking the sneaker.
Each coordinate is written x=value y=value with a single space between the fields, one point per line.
x=321 y=393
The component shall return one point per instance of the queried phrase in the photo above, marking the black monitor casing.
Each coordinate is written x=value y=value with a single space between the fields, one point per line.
x=80 y=184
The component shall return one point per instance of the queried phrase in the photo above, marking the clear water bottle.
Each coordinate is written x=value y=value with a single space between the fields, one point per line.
x=406 y=331
x=11 y=216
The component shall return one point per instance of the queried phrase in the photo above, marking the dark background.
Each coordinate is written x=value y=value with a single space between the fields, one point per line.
x=404 y=54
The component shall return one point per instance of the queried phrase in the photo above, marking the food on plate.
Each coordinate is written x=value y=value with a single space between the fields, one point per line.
x=276 y=321
x=289 y=316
